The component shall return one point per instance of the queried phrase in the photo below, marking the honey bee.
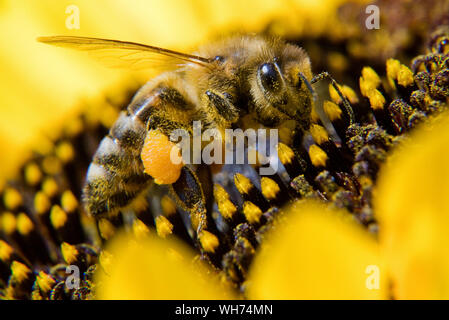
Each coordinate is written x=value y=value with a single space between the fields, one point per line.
x=264 y=78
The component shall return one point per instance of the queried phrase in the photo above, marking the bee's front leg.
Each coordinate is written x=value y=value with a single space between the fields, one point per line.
x=346 y=104
x=425 y=60
x=220 y=108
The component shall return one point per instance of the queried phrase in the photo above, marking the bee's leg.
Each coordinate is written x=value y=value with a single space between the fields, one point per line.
x=425 y=59
x=184 y=182
x=346 y=103
x=160 y=122
x=190 y=196
x=418 y=61
x=223 y=104
x=308 y=85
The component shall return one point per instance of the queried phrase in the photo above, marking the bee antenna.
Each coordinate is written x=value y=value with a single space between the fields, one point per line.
x=346 y=103
x=309 y=86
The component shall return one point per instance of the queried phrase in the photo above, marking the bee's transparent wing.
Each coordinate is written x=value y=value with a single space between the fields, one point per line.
x=133 y=59
x=116 y=53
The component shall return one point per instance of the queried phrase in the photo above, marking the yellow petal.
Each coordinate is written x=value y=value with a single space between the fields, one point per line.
x=413 y=209
x=154 y=268
x=317 y=254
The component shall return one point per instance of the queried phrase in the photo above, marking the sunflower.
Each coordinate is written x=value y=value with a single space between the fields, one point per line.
x=318 y=252
x=354 y=214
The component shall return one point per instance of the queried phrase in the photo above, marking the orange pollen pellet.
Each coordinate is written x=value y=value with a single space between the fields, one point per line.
x=161 y=158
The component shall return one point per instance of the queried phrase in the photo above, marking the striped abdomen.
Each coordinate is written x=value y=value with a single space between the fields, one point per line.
x=116 y=175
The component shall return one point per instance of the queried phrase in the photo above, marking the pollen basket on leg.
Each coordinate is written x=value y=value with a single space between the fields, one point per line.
x=157 y=160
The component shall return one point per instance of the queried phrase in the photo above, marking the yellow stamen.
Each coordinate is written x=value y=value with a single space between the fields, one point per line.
x=74 y=127
x=45 y=281
x=51 y=165
x=50 y=187
x=45 y=146
x=364 y=86
x=9 y=222
x=242 y=183
x=140 y=203
x=41 y=202
x=251 y=212
x=168 y=206
x=346 y=91
x=285 y=153
x=220 y=193
x=315 y=117
x=376 y=99
x=349 y=93
x=140 y=229
x=163 y=226
x=33 y=174
x=332 y=110
x=5 y=251
x=270 y=189
x=317 y=156
x=209 y=242
x=69 y=252
x=65 y=152
x=58 y=217
x=334 y=94
x=371 y=77
x=226 y=208
x=319 y=134
x=19 y=271
x=24 y=224
x=105 y=260
x=12 y=199
x=393 y=67
x=337 y=61
x=106 y=228
x=68 y=201
x=405 y=76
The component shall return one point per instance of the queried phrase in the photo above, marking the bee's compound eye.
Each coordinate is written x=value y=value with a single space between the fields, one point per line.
x=219 y=58
x=269 y=77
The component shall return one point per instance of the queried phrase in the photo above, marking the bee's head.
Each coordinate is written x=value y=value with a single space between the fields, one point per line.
x=280 y=85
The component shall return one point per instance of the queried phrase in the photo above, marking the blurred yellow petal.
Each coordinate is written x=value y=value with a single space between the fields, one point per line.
x=149 y=267
x=317 y=253
x=413 y=209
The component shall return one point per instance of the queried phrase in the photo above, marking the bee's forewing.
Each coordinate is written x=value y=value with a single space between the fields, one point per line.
x=116 y=53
